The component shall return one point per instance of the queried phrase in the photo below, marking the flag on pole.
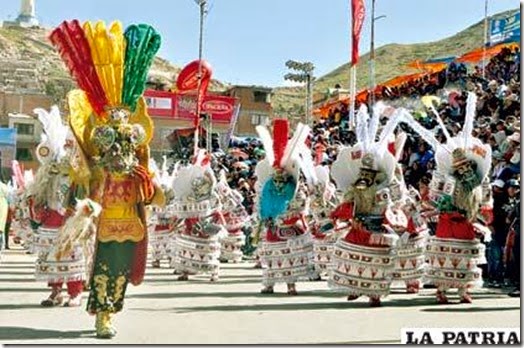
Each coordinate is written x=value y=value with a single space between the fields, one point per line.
x=358 y=13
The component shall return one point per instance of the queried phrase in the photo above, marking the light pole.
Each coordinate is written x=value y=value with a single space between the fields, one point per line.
x=304 y=75
x=372 y=57
x=202 y=5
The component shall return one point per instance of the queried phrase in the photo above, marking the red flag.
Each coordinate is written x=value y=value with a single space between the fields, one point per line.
x=358 y=13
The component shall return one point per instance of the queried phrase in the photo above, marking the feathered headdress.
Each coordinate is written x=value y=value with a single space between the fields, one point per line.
x=468 y=146
x=110 y=66
x=54 y=135
x=284 y=160
x=345 y=169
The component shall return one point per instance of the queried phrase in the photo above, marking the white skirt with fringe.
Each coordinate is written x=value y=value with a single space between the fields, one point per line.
x=361 y=270
x=194 y=255
x=453 y=263
x=71 y=267
x=323 y=254
x=410 y=258
x=231 y=247
x=160 y=242
x=287 y=261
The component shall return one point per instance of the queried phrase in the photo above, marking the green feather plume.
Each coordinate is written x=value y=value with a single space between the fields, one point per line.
x=143 y=42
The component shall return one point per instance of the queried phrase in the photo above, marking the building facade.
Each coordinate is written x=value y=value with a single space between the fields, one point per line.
x=255 y=108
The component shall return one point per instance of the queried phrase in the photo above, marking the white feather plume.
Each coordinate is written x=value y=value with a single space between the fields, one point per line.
x=55 y=130
x=470 y=117
x=267 y=142
x=362 y=125
x=308 y=166
x=294 y=145
x=440 y=122
x=374 y=122
x=388 y=130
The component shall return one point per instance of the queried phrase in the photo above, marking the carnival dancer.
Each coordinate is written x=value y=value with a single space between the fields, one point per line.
x=160 y=222
x=197 y=207
x=460 y=189
x=413 y=232
x=235 y=217
x=22 y=225
x=52 y=199
x=286 y=248
x=324 y=231
x=108 y=116
x=364 y=258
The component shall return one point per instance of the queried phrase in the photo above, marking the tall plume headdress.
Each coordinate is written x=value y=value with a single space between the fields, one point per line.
x=461 y=147
x=370 y=146
x=110 y=67
x=278 y=174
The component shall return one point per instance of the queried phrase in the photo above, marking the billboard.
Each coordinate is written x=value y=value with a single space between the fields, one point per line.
x=183 y=106
x=505 y=29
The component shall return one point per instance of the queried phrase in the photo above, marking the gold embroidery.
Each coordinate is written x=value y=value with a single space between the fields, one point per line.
x=119 y=288
x=101 y=287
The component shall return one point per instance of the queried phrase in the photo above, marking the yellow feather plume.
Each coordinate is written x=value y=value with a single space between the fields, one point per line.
x=108 y=52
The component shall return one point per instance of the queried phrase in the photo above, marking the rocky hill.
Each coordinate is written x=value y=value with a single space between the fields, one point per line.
x=29 y=64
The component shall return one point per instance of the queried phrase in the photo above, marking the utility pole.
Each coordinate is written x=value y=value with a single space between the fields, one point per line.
x=202 y=5
x=485 y=38
x=372 y=83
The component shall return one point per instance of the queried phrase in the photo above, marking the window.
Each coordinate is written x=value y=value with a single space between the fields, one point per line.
x=23 y=155
x=25 y=129
x=260 y=97
x=259 y=119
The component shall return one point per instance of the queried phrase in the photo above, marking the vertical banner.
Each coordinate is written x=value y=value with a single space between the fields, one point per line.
x=358 y=13
x=232 y=126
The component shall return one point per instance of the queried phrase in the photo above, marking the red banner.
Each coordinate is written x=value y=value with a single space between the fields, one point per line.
x=358 y=13
x=183 y=106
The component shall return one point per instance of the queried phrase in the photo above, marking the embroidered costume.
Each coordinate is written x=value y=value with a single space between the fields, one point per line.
x=236 y=218
x=325 y=233
x=197 y=207
x=160 y=222
x=109 y=119
x=286 y=248
x=363 y=259
x=53 y=197
x=460 y=189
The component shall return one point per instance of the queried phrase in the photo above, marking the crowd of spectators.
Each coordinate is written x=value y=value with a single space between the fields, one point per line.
x=497 y=123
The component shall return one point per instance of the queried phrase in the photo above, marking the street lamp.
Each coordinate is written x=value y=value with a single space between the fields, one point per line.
x=304 y=75
x=202 y=5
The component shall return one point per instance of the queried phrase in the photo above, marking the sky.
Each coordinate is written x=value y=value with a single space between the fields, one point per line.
x=248 y=41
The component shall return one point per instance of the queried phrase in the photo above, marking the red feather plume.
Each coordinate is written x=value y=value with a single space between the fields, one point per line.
x=280 y=135
x=73 y=47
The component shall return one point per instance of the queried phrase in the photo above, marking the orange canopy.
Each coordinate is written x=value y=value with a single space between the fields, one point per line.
x=478 y=54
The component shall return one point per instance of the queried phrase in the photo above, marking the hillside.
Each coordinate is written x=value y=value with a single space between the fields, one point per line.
x=29 y=64
x=390 y=61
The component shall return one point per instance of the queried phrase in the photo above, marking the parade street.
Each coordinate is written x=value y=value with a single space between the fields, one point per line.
x=232 y=311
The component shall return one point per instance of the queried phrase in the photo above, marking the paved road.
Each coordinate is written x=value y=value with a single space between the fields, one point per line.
x=163 y=311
